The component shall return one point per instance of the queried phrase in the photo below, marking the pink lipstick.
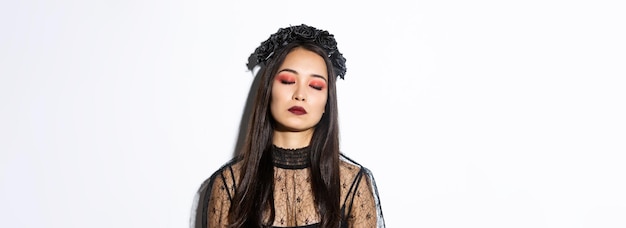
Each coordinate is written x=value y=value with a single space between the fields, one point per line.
x=297 y=110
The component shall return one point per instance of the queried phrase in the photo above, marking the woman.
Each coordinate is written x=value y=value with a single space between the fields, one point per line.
x=289 y=172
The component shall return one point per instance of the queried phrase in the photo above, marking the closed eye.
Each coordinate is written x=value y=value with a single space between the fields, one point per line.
x=318 y=85
x=286 y=79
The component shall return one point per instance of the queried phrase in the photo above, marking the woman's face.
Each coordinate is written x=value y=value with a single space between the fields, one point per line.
x=300 y=91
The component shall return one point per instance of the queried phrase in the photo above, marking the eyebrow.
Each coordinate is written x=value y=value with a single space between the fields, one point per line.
x=295 y=72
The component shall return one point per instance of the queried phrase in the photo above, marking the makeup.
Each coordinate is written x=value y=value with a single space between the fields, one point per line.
x=317 y=84
x=297 y=110
x=286 y=78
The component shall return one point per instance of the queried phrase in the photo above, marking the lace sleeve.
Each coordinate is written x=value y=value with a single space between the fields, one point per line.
x=364 y=209
x=218 y=205
x=213 y=200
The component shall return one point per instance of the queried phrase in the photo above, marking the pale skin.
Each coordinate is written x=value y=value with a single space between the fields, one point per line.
x=299 y=95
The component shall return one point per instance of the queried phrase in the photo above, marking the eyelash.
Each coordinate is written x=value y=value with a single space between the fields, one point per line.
x=317 y=87
x=290 y=81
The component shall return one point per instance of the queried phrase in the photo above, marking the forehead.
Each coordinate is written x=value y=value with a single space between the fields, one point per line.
x=305 y=62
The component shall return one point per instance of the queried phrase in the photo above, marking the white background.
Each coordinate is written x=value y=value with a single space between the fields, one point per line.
x=469 y=113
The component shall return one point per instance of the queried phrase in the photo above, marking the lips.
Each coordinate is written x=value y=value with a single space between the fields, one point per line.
x=297 y=110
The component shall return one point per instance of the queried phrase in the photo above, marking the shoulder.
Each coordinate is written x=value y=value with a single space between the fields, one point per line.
x=218 y=187
x=226 y=174
x=350 y=165
x=350 y=169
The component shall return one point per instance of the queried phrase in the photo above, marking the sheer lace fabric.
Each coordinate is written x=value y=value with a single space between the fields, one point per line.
x=293 y=198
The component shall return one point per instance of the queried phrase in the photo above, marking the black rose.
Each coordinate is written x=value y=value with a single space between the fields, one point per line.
x=339 y=63
x=327 y=41
x=265 y=50
x=304 y=32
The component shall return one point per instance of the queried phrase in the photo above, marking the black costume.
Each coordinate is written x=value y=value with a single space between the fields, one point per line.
x=293 y=198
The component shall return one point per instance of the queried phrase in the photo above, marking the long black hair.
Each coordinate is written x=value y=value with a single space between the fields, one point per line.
x=254 y=200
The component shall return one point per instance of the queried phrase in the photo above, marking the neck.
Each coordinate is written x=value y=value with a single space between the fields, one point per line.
x=292 y=140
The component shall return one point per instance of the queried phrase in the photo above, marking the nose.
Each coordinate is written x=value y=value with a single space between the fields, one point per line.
x=299 y=98
x=300 y=94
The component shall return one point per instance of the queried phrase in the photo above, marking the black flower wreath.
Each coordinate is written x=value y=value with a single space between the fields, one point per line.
x=302 y=33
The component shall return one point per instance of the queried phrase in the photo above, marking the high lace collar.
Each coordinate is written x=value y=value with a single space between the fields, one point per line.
x=291 y=158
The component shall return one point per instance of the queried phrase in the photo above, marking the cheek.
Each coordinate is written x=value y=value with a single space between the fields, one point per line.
x=274 y=99
x=279 y=97
x=275 y=104
x=278 y=90
x=320 y=103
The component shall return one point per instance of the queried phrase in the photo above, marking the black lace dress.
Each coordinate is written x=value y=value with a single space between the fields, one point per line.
x=293 y=197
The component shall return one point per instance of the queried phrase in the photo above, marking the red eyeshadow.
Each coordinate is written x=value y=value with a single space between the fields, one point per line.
x=318 y=83
x=285 y=78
